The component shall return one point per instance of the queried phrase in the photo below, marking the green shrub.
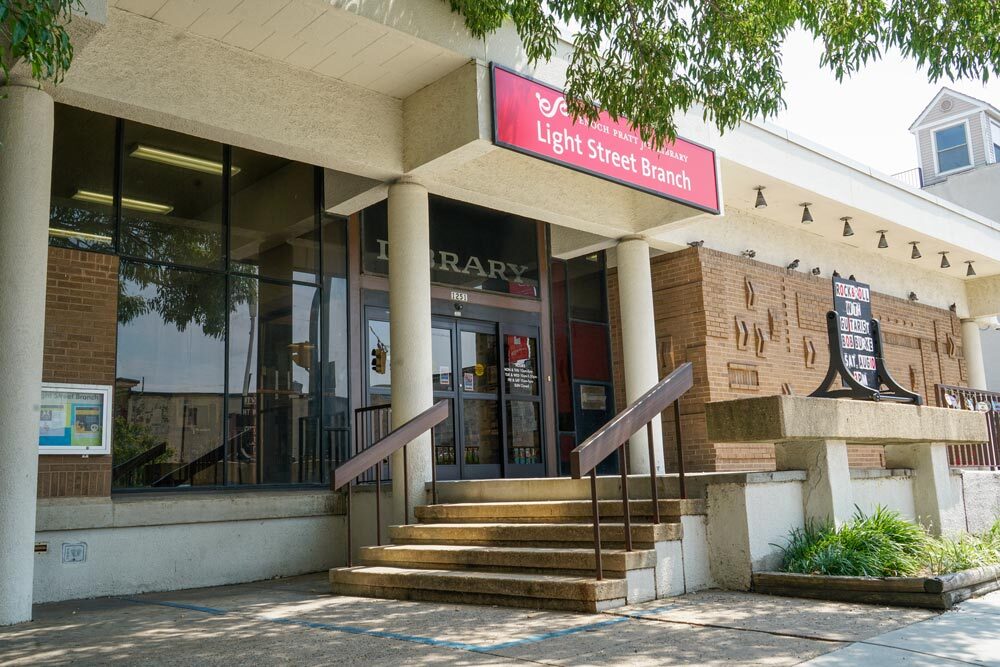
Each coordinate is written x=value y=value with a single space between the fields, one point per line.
x=884 y=544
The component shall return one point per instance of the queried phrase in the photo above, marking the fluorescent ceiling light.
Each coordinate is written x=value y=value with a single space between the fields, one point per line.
x=133 y=204
x=179 y=160
x=69 y=233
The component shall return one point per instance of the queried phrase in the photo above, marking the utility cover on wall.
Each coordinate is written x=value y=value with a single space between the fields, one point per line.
x=74 y=552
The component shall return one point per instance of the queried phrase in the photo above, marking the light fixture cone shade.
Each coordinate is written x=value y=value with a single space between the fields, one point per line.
x=945 y=264
x=806 y=215
x=882 y=243
x=970 y=271
x=916 y=252
x=761 y=202
x=847 y=229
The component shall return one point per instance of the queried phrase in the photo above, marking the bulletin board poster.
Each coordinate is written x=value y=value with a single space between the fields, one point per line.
x=74 y=419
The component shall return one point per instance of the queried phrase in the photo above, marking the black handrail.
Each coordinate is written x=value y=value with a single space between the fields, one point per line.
x=379 y=451
x=613 y=436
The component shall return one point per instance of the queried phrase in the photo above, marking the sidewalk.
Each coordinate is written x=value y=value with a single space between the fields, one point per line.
x=295 y=621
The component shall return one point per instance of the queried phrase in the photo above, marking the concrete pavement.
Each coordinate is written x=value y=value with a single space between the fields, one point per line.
x=295 y=621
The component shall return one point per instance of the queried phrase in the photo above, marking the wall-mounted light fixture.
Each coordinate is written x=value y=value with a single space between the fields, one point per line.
x=806 y=215
x=915 y=254
x=882 y=243
x=847 y=226
x=761 y=202
x=945 y=264
x=970 y=271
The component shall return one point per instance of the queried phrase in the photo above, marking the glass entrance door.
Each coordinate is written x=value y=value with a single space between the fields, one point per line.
x=489 y=374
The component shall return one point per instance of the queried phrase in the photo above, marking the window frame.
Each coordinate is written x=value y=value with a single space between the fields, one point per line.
x=968 y=148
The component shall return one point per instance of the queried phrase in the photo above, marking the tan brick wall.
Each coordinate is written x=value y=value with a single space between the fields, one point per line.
x=81 y=324
x=753 y=329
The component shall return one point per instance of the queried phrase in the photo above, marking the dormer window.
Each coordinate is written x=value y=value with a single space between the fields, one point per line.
x=951 y=148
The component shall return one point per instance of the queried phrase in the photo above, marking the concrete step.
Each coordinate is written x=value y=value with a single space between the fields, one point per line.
x=555 y=511
x=615 y=562
x=533 y=534
x=539 y=591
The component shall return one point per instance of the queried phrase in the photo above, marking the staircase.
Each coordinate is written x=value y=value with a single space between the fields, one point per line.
x=526 y=554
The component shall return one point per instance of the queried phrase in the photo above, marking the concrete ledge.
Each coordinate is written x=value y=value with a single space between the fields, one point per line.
x=784 y=418
x=880 y=473
x=160 y=509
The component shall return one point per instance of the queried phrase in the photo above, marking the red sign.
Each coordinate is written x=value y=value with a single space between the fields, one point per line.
x=531 y=118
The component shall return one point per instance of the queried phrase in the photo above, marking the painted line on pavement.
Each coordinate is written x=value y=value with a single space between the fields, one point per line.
x=417 y=639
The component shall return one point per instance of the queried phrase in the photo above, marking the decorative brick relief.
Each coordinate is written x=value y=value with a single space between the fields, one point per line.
x=761 y=339
x=809 y=349
x=751 y=293
x=742 y=334
x=811 y=311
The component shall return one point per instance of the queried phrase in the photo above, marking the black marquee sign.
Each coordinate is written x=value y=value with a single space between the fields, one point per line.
x=856 y=349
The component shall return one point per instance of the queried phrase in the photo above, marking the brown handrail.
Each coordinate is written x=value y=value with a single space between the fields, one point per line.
x=379 y=451
x=613 y=436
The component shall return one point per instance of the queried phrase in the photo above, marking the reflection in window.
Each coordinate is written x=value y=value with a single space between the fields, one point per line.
x=273 y=217
x=378 y=334
x=482 y=433
x=171 y=328
x=441 y=371
x=587 y=289
x=479 y=362
x=172 y=204
x=952 y=148
x=336 y=406
x=83 y=166
x=524 y=433
x=444 y=439
x=274 y=384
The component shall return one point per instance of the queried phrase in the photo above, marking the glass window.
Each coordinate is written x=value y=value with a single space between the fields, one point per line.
x=482 y=432
x=520 y=365
x=524 y=432
x=479 y=362
x=591 y=357
x=445 y=449
x=472 y=248
x=587 y=288
x=952 y=148
x=274 y=383
x=378 y=334
x=995 y=131
x=171 y=350
x=273 y=217
x=441 y=369
x=172 y=204
x=83 y=167
x=336 y=406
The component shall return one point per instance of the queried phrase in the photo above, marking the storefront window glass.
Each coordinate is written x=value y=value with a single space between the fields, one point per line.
x=275 y=297
x=172 y=203
x=274 y=383
x=273 y=228
x=171 y=341
x=472 y=248
x=82 y=212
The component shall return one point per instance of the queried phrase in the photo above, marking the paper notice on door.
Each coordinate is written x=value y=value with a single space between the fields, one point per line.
x=593 y=397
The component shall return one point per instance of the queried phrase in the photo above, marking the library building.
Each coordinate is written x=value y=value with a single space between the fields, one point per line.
x=284 y=281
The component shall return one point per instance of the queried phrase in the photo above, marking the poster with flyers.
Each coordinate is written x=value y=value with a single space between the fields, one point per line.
x=74 y=419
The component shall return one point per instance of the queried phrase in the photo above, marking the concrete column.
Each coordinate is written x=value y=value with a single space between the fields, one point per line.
x=635 y=298
x=827 y=494
x=972 y=347
x=25 y=174
x=938 y=507
x=410 y=333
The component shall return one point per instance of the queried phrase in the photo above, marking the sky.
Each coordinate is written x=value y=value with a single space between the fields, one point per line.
x=866 y=117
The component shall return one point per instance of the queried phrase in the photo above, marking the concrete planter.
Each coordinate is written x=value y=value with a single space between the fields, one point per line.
x=940 y=592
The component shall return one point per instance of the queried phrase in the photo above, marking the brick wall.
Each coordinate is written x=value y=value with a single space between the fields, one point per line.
x=81 y=324
x=753 y=329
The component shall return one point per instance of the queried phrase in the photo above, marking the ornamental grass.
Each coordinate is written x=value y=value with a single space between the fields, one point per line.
x=884 y=544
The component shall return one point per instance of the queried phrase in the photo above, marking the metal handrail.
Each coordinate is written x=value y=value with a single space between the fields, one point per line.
x=379 y=451
x=613 y=436
x=979 y=455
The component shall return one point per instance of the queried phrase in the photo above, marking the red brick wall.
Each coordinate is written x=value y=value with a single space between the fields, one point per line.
x=753 y=329
x=81 y=324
